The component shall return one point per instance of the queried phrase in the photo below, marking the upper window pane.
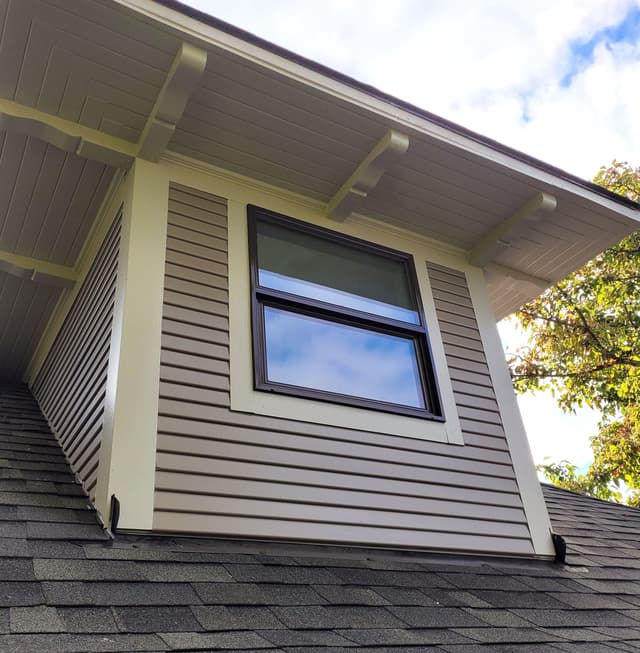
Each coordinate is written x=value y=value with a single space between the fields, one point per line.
x=311 y=266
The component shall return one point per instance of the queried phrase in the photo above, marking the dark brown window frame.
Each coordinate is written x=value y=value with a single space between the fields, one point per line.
x=417 y=333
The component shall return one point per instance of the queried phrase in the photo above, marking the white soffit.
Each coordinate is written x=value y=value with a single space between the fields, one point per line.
x=109 y=66
x=25 y=307
x=48 y=199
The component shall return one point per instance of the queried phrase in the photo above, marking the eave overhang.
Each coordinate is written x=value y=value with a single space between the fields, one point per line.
x=85 y=88
x=453 y=185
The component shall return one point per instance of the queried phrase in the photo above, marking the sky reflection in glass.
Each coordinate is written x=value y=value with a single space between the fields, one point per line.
x=334 y=296
x=313 y=353
x=342 y=274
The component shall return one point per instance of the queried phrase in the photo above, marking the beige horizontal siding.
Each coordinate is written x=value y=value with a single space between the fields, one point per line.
x=70 y=387
x=236 y=474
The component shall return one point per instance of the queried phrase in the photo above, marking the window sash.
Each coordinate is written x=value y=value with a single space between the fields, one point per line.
x=264 y=296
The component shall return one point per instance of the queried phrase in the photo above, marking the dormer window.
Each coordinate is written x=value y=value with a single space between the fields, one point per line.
x=337 y=319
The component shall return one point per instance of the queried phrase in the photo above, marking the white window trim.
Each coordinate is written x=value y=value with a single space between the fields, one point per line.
x=245 y=399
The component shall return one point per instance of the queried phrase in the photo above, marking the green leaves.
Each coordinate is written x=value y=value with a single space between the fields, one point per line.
x=585 y=347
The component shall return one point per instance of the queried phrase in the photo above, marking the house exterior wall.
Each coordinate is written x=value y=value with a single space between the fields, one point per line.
x=70 y=385
x=229 y=470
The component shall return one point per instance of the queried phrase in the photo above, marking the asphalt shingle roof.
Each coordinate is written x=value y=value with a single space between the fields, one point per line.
x=66 y=585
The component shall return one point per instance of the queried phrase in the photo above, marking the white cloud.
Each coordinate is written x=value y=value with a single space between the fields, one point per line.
x=557 y=435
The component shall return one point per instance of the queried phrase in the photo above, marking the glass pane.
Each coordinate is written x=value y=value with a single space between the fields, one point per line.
x=314 y=353
x=311 y=266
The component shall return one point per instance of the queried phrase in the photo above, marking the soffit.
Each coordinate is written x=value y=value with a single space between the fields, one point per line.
x=102 y=65
x=48 y=199
x=25 y=307
x=263 y=124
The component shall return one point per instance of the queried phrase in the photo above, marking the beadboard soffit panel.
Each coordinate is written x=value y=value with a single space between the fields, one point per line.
x=81 y=89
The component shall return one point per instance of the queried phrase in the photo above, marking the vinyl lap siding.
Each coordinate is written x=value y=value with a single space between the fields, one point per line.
x=470 y=377
x=70 y=386
x=237 y=474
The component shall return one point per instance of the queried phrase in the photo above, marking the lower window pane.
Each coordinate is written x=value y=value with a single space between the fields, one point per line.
x=313 y=353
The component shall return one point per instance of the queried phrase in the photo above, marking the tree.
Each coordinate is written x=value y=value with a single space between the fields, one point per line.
x=584 y=345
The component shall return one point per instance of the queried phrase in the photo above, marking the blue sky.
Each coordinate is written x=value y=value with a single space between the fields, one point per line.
x=583 y=51
x=558 y=79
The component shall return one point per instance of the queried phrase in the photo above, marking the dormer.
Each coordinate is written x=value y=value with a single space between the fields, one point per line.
x=257 y=299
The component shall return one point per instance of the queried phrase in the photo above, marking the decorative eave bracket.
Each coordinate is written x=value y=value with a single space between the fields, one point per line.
x=66 y=135
x=93 y=144
x=367 y=175
x=36 y=270
x=537 y=283
x=501 y=236
x=186 y=70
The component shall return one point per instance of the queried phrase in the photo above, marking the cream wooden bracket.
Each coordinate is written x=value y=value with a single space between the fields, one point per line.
x=186 y=70
x=537 y=283
x=501 y=236
x=96 y=145
x=37 y=270
x=66 y=135
x=367 y=175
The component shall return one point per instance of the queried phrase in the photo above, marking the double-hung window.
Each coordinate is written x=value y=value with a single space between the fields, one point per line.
x=337 y=319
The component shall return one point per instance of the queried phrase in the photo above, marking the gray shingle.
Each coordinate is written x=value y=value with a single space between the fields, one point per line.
x=290 y=595
x=324 y=638
x=88 y=620
x=20 y=593
x=142 y=594
x=67 y=593
x=595 y=601
x=56 y=643
x=630 y=645
x=74 y=570
x=66 y=515
x=39 y=619
x=455 y=599
x=222 y=617
x=31 y=499
x=518 y=599
x=340 y=595
x=53 y=549
x=275 y=574
x=11 y=529
x=49 y=531
x=499 y=618
x=439 y=617
x=327 y=617
x=589 y=618
x=390 y=578
x=611 y=586
x=16 y=569
x=13 y=547
x=618 y=633
x=182 y=572
x=469 y=581
x=8 y=513
x=404 y=596
x=230 y=593
x=508 y=635
x=401 y=636
x=254 y=594
x=588 y=647
x=156 y=619
x=215 y=641
x=11 y=473
x=580 y=634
